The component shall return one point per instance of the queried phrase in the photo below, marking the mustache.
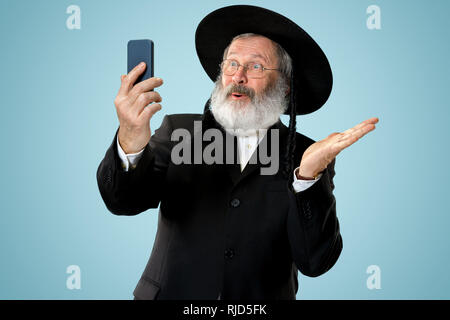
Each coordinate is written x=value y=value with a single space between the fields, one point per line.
x=240 y=89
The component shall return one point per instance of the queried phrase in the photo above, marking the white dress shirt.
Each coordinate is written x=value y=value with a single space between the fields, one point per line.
x=246 y=146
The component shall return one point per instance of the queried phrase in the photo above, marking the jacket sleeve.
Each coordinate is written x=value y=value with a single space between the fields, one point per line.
x=134 y=191
x=313 y=227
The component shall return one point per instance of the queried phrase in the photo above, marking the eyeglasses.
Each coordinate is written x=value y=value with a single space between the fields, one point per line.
x=254 y=70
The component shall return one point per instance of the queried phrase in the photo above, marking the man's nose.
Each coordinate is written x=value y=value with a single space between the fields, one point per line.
x=240 y=76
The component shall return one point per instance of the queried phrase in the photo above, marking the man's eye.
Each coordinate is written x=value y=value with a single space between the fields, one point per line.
x=233 y=64
x=256 y=66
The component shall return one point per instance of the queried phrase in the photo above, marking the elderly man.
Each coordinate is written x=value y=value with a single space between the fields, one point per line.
x=225 y=230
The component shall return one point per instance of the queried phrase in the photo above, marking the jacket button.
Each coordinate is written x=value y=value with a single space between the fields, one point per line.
x=229 y=253
x=235 y=203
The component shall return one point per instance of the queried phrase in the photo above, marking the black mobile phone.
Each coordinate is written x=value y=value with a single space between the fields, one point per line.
x=141 y=51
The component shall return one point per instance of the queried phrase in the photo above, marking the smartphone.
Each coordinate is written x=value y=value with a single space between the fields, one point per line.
x=141 y=51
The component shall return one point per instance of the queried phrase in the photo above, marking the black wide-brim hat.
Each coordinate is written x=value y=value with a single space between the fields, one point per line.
x=312 y=77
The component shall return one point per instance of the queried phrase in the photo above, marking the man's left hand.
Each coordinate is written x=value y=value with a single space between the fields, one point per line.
x=317 y=157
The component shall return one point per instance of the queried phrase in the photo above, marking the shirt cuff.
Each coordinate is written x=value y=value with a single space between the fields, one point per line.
x=302 y=185
x=128 y=160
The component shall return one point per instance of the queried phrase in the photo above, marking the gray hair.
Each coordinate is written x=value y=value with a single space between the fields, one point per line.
x=284 y=60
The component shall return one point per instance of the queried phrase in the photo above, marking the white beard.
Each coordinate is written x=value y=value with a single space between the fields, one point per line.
x=242 y=119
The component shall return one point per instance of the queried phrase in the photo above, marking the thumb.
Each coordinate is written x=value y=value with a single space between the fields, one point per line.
x=333 y=134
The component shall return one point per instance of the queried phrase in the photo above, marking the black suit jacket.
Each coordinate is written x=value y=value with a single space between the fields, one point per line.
x=222 y=233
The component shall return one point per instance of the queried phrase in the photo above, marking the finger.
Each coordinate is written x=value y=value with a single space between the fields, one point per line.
x=356 y=129
x=340 y=141
x=122 y=91
x=348 y=139
x=361 y=131
x=145 y=99
x=149 y=111
x=144 y=86
x=129 y=80
x=373 y=120
x=362 y=124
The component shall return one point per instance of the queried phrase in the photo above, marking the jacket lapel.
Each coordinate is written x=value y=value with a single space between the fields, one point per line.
x=255 y=164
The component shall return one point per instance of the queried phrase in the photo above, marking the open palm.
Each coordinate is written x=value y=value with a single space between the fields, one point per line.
x=317 y=157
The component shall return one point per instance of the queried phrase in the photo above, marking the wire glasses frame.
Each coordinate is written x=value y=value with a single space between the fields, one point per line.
x=254 y=70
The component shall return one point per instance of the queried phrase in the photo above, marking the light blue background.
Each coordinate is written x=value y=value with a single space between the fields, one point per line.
x=58 y=118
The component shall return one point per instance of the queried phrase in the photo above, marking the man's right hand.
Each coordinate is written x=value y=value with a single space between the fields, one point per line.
x=135 y=108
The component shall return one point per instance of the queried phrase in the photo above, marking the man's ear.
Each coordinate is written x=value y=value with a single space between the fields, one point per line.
x=288 y=90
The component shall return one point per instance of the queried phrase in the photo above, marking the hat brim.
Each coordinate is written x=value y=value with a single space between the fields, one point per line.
x=312 y=75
